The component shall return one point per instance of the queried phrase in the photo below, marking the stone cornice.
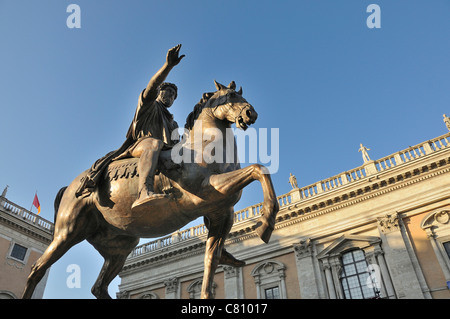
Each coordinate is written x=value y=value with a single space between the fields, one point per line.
x=25 y=228
x=165 y=256
x=369 y=188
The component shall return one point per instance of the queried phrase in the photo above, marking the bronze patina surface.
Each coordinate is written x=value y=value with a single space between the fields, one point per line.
x=139 y=191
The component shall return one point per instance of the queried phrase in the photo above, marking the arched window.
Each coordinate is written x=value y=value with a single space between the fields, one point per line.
x=269 y=279
x=195 y=289
x=355 y=278
x=7 y=295
x=149 y=295
x=437 y=227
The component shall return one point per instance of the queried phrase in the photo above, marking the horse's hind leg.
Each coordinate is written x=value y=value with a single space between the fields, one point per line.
x=71 y=228
x=115 y=250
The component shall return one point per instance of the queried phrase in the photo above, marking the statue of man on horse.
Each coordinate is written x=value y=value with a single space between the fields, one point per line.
x=120 y=198
x=150 y=132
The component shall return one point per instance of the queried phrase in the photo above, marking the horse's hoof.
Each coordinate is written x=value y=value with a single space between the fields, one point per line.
x=150 y=201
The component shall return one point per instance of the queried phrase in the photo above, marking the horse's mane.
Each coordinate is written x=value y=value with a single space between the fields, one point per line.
x=190 y=119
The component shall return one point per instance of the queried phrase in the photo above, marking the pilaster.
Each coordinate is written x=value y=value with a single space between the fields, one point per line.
x=404 y=278
x=172 y=288
x=305 y=270
x=234 y=288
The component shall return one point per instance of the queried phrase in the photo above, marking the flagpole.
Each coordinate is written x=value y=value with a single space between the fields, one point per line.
x=32 y=203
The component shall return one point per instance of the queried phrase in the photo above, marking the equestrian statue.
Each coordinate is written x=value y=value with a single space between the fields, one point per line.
x=141 y=191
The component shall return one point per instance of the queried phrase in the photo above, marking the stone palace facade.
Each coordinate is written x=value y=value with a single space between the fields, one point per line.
x=381 y=230
x=24 y=237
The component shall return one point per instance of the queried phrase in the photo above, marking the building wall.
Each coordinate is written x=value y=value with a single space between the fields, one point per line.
x=292 y=287
x=395 y=212
x=21 y=227
x=426 y=257
x=14 y=272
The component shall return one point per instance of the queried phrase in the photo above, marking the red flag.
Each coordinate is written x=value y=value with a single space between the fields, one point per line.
x=36 y=203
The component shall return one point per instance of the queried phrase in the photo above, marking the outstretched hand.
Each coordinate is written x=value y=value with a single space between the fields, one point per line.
x=172 y=56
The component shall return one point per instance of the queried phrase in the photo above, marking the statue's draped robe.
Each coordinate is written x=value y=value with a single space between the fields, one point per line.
x=152 y=119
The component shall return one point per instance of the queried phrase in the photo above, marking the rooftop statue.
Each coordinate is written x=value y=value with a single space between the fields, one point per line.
x=293 y=181
x=138 y=191
x=447 y=121
x=364 y=153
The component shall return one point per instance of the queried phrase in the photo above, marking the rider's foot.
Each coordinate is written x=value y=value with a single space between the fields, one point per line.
x=146 y=198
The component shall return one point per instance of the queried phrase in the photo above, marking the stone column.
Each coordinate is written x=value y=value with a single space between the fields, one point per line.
x=305 y=270
x=336 y=268
x=374 y=270
x=385 y=277
x=283 y=291
x=404 y=278
x=329 y=278
x=258 y=284
x=233 y=282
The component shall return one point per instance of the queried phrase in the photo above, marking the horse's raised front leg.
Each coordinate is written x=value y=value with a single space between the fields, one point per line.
x=232 y=182
x=219 y=228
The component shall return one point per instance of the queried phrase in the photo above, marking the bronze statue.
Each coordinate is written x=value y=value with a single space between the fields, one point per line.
x=149 y=133
x=107 y=215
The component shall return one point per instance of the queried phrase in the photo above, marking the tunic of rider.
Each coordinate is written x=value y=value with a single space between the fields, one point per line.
x=150 y=132
x=152 y=129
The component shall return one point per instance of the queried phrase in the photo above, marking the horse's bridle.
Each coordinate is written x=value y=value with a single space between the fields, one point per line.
x=237 y=117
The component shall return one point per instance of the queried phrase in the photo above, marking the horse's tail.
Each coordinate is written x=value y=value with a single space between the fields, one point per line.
x=58 y=201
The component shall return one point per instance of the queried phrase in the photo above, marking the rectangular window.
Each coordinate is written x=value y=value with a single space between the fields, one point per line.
x=272 y=293
x=18 y=252
x=355 y=276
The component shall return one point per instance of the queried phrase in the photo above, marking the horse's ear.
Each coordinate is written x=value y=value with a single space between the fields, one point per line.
x=240 y=91
x=219 y=86
x=232 y=85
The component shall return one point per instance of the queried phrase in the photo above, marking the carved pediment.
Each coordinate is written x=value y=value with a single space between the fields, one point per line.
x=347 y=242
x=436 y=218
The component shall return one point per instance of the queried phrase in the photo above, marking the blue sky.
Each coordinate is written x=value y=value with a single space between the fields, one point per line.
x=312 y=69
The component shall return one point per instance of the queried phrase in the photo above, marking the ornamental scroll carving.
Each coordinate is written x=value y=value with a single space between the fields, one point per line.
x=434 y=220
x=303 y=249
x=442 y=217
x=171 y=285
x=389 y=223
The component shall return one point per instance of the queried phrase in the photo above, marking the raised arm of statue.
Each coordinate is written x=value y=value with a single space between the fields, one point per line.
x=172 y=59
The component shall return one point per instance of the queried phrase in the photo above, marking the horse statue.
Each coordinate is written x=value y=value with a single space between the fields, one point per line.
x=209 y=184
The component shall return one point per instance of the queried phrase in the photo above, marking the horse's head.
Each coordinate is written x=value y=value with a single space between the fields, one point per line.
x=228 y=104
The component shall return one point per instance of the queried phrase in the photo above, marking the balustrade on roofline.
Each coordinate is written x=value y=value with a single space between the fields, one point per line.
x=24 y=214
